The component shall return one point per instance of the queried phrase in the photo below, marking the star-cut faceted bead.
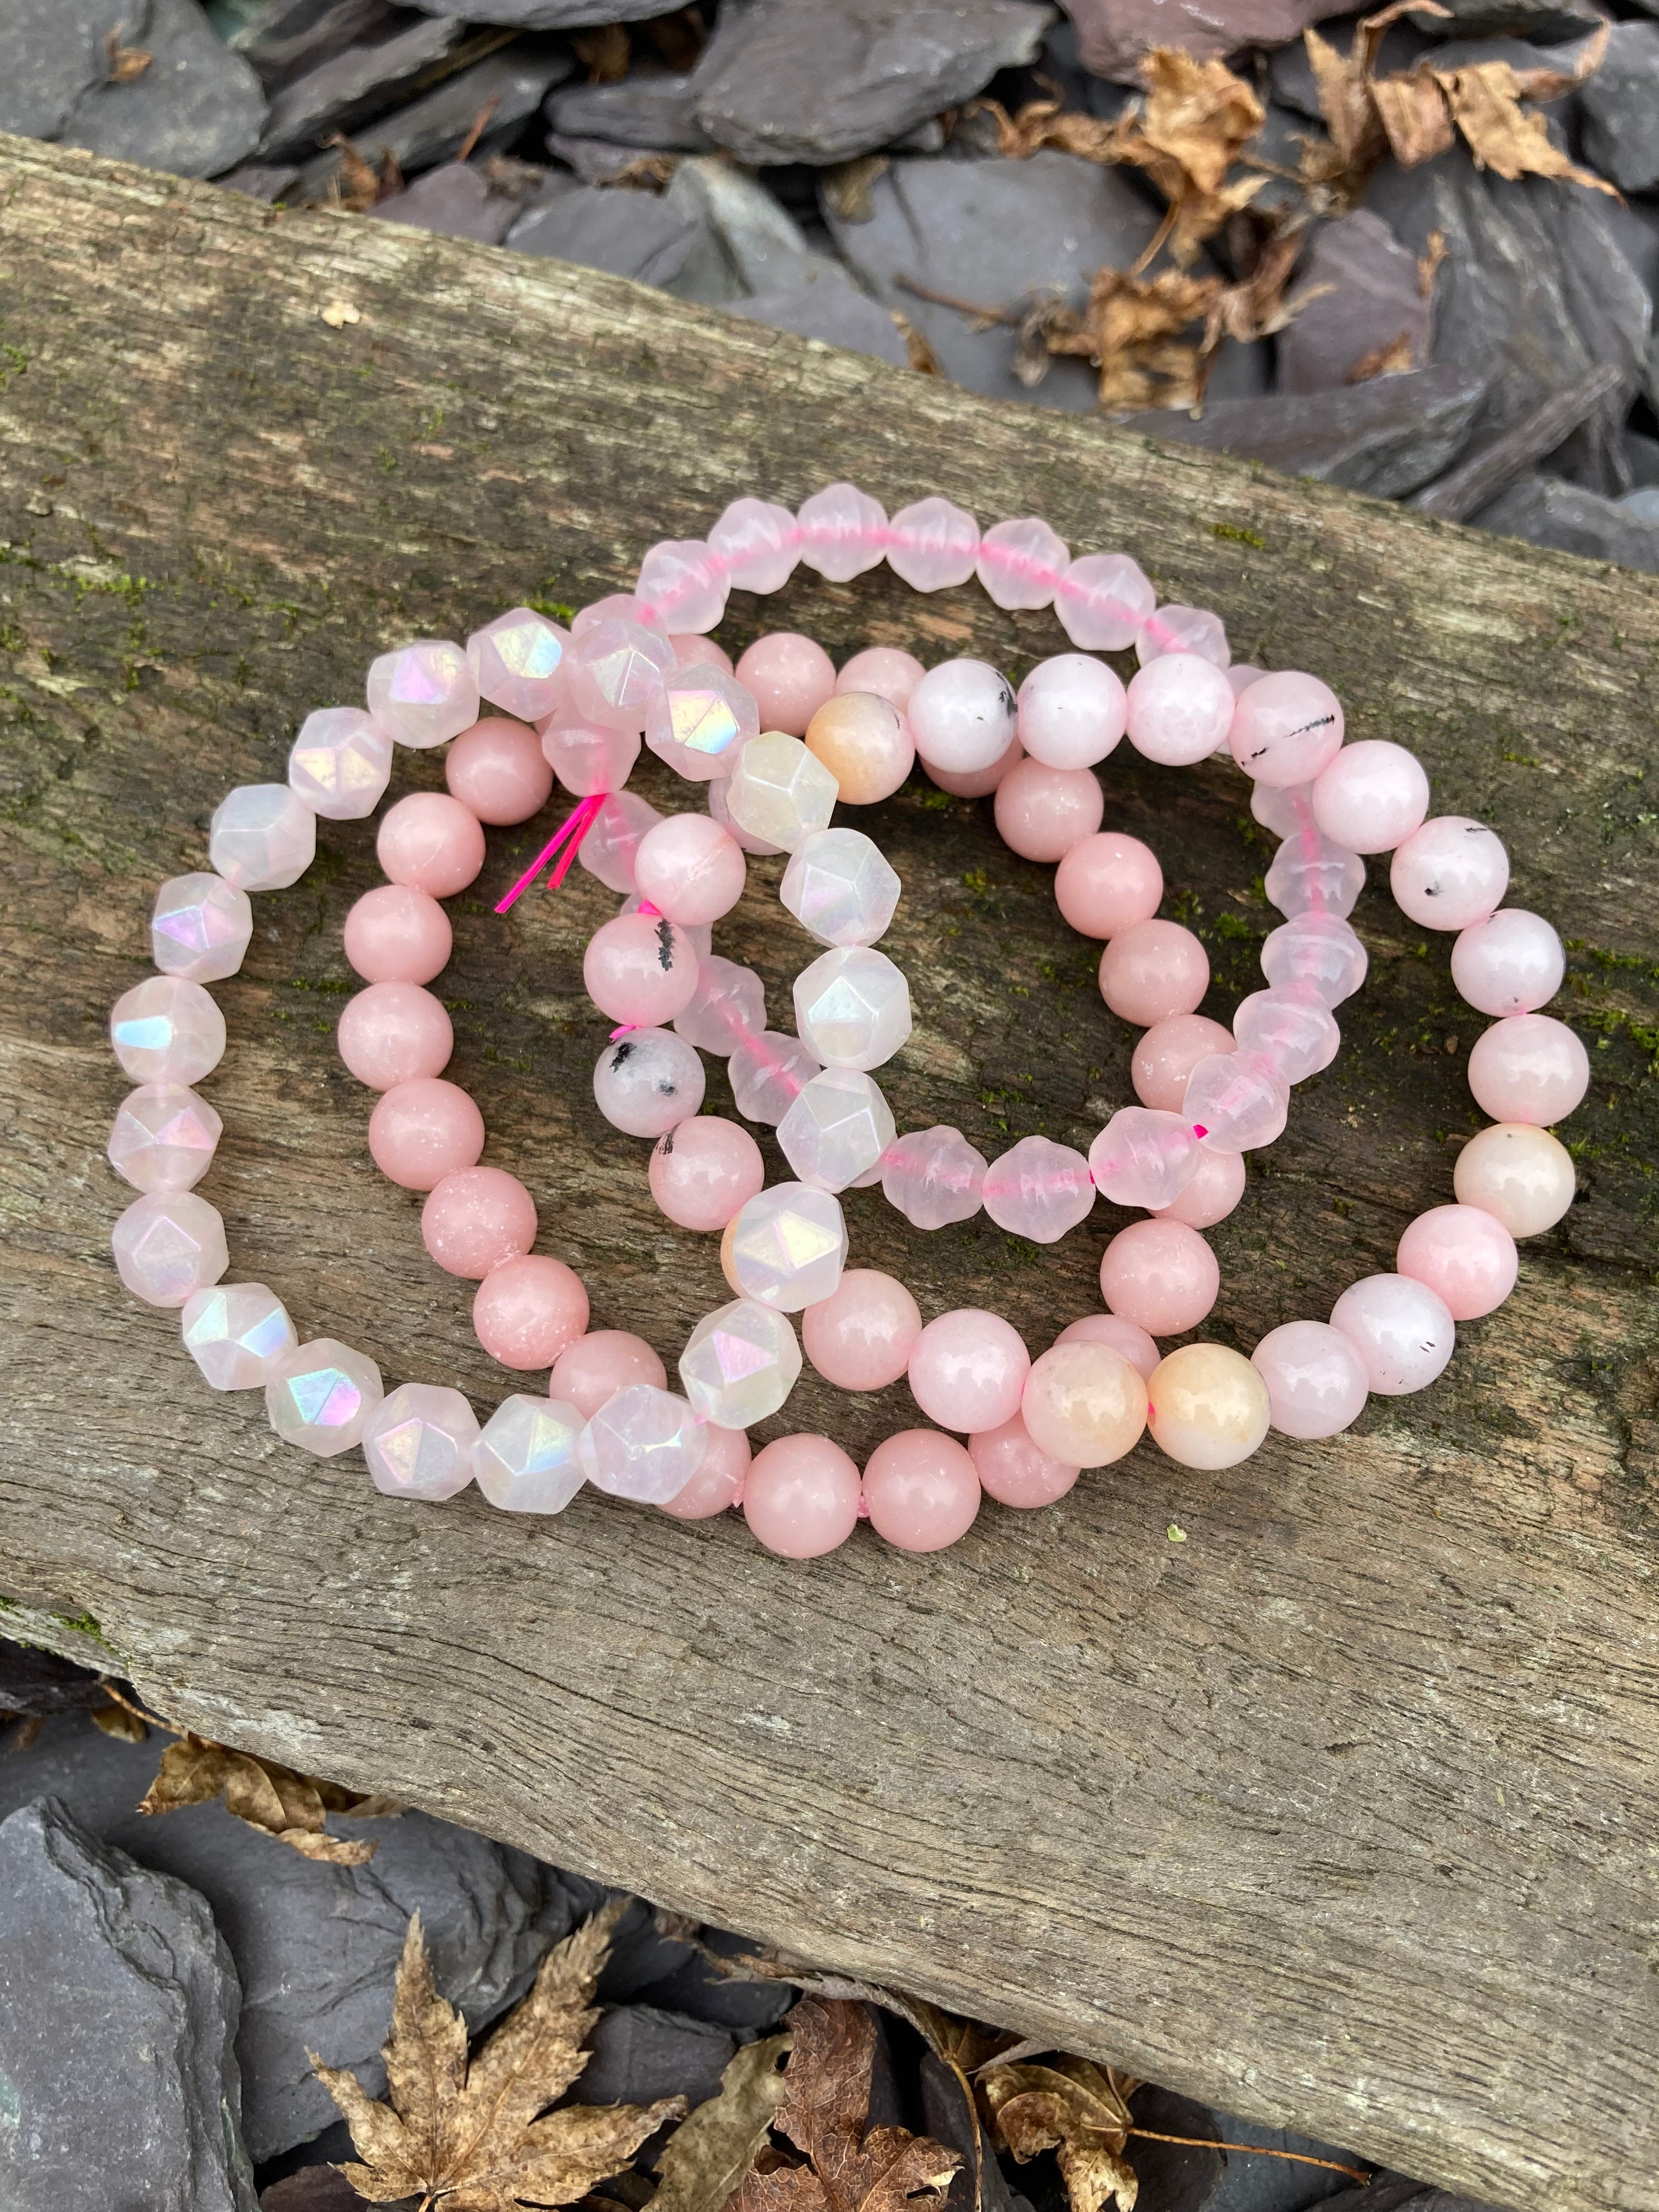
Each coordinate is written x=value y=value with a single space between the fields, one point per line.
x=789 y=1246
x=837 y=1129
x=1143 y=1157
x=699 y=721
x=740 y=1363
x=238 y=1334
x=853 y=1007
x=613 y=838
x=517 y=662
x=616 y=669
x=525 y=1459
x=644 y=1443
x=419 y=1442
x=683 y=582
x=424 y=693
x=780 y=792
x=322 y=1395
x=1021 y=562
x=729 y=1006
x=341 y=763
x=1102 y=600
x=167 y=1029
x=168 y=1245
x=1039 y=1190
x=200 y=927
x=164 y=1137
x=263 y=837
x=841 y=888
x=767 y=1074
x=933 y=1176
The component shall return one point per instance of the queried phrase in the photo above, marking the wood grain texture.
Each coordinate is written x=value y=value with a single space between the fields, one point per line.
x=1341 y=1813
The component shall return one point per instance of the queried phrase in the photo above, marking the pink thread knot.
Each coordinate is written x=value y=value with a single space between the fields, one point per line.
x=569 y=834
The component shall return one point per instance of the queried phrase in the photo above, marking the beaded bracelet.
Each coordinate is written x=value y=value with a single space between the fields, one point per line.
x=622 y=672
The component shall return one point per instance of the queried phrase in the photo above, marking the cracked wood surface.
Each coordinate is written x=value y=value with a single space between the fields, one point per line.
x=1341 y=1813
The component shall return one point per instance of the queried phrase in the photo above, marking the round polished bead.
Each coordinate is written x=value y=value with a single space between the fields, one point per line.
x=1144 y=1158
x=705 y=1170
x=691 y=650
x=524 y=1458
x=1107 y=882
x=1451 y=873
x=1167 y=1054
x=853 y=1007
x=800 y=1497
x=423 y=1130
x=1522 y=1175
x=931 y=544
x=1513 y=964
x=394 y=1033
x=861 y=1336
x=238 y=1334
x=841 y=888
x=728 y=1006
x=684 y=584
x=1529 y=1067
x=477 y=1218
x=718 y=1483
x=699 y=935
x=1084 y=1403
x=424 y=693
x=837 y=1130
x=1464 y=1253
x=1020 y=563
x=1211 y=1194
x=1072 y=711
x=789 y=678
x=648 y=1081
x=768 y=1073
x=1241 y=674
x=1124 y=1336
x=1014 y=1470
x=617 y=669
x=164 y=1138
x=168 y=1245
x=1371 y=796
x=587 y=760
x=613 y=837
x=1152 y=969
x=644 y=1444
x=1180 y=707
x=1311 y=875
x=700 y=721
x=891 y=674
x=321 y=1395
x=640 y=969
x=963 y=716
x=865 y=742
x=517 y=663
x=1206 y=1407
x=1286 y=728
x=597 y=1365
x=1042 y=812
x=779 y=792
x=498 y=771
x=341 y=763
x=933 y=1176
x=1402 y=1330
x=199 y=927
x=1315 y=1377
x=396 y=934
x=1240 y=1100
x=1173 y=628
x=431 y=842
x=1160 y=1274
x=979 y=782
x=1291 y=1028
x=167 y=1029
x=263 y=837
x=843 y=532
x=759 y=541
x=529 y=1311
x=1104 y=601
x=790 y=1246
x=921 y=1490
x=739 y=1365
x=1038 y=1189
x=690 y=869
x=1318 y=951
x=419 y=1442
x=967 y=1370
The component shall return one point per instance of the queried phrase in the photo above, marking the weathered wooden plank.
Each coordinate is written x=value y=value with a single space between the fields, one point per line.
x=1341 y=1813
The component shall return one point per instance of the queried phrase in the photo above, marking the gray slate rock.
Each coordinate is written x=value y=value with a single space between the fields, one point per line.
x=640 y=2053
x=1548 y=22
x=629 y=233
x=260 y=180
x=1550 y=512
x=699 y=1989
x=1634 y=225
x=511 y=85
x=1643 y=454
x=282 y=39
x=832 y=309
x=1114 y=36
x=1621 y=108
x=196 y=110
x=352 y=88
x=1643 y=504
x=1357 y=291
x=599 y=161
x=455 y=202
x=1272 y=2185
x=312 y=2189
x=754 y=243
x=551 y=15
x=39 y=1682
x=56 y=57
x=652 y=108
x=117 y=2015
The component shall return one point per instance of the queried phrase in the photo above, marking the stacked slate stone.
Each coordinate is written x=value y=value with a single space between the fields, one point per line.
x=818 y=165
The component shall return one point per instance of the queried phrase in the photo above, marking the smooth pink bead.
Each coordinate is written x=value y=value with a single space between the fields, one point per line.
x=690 y=869
x=1118 y=1334
x=1161 y=1274
x=861 y=1336
x=800 y=1497
x=718 y=1483
x=477 y=1218
x=1371 y=796
x=1286 y=728
x=1529 y=1067
x=967 y=1370
x=1213 y=1192
x=1401 y=1329
x=1465 y=1255
x=396 y=934
x=961 y=716
x=884 y=669
x=1241 y=674
x=498 y=771
x=423 y=1130
x=693 y=650
x=921 y=1490
x=1316 y=1378
x=1167 y=1054
x=1180 y=707
x=790 y=677
x=530 y=1310
x=1451 y=873
x=1072 y=710
x=394 y=1033
x=586 y=757
x=613 y=838
x=1015 y=1471
x=640 y=969
x=432 y=842
x=1041 y=813
x=931 y=544
x=1153 y=969
x=1107 y=882
x=977 y=782
x=704 y=1170
x=1513 y=963
x=590 y=1373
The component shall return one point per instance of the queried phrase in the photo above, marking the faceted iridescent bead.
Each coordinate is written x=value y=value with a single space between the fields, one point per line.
x=933 y=1176
x=1318 y=951
x=263 y=837
x=613 y=838
x=1175 y=629
x=841 y=888
x=525 y=1459
x=1103 y=602
x=1240 y=1100
x=1144 y=1158
x=767 y=1073
x=617 y=669
x=169 y=1245
x=648 y=1082
x=719 y=795
x=837 y=1129
x=419 y=1442
x=843 y=532
x=167 y=1029
x=237 y=1333
x=1020 y=563
x=789 y=1246
x=728 y=1005
x=644 y=1443
x=164 y=1137
x=1293 y=1029
x=321 y=1395
x=200 y=927
x=853 y=1007
x=759 y=542
x=517 y=663
x=740 y=1363
x=1311 y=875
x=424 y=694
x=780 y=792
x=341 y=763
x=1038 y=1189
x=931 y=544
x=700 y=721
x=684 y=583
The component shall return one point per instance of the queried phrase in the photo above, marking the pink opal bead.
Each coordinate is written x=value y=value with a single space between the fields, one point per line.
x=517 y=662
x=263 y=837
x=1176 y=628
x=862 y=1336
x=613 y=838
x=1152 y=969
x=424 y=693
x=1104 y=601
x=961 y=716
x=423 y=1130
x=693 y=650
x=597 y=1366
x=641 y=970
x=864 y=741
x=790 y=677
x=1021 y=562
x=1511 y=964
x=1126 y=1337
x=1180 y=707
x=1315 y=1377
x=200 y=927
x=1213 y=1192
x=431 y=842
x=1038 y=1189
x=617 y=668
x=1465 y=1255
x=931 y=544
x=1371 y=796
x=418 y=1443
x=587 y=758
x=164 y=1138
x=1286 y=728
x=1041 y=813
x=394 y=1033
x=1519 y=1175
x=498 y=771
x=530 y=1310
x=979 y=782
x=1014 y=1471
x=396 y=934
x=1206 y=1407
x=1289 y=1028
x=1107 y=882
x=167 y=1029
x=1084 y=1404
x=690 y=869
x=1529 y=1067
x=967 y=1370
x=800 y=1497
x=1144 y=1158
x=718 y=1483
x=1239 y=1099
x=168 y=1245
x=921 y=1490
x=933 y=1176
x=477 y=1218
x=684 y=584
x=884 y=669
x=1449 y=873
x=843 y=532
x=705 y=1170
x=1072 y=711
x=341 y=763
x=1402 y=1330
x=1167 y=1054
x=1319 y=952
x=1160 y=1274
x=759 y=542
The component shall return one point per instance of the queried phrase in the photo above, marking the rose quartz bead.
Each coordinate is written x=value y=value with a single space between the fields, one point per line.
x=498 y=771
x=1449 y=873
x=961 y=716
x=394 y=1033
x=1316 y=1378
x=1042 y=812
x=1529 y=1067
x=617 y=668
x=1104 y=601
x=423 y=1130
x=865 y=743
x=1180 y=707
x=700 y=721
x=1206 y=1407
x=1020 y=563
x=1511 y=964
x=1084 y=1404
x=1160 y=1274
x=644 y=1444
x=718 y=1483
x=790 y=677
x=843 y=532
x=1213 y=1192
x=768 y=1073
x=424 y=693
x=517 y=662
x=1167 y=1054
x=1318 y=951
x=598 y=1365
x=587 y=758
x=641 y=970
x=1240 y=1100
x=432 y=842
x=199 y=927
x=1176 y=628
x=1519 y=1175
x=1038 y=1189
x=646 y=1082
x=921 y=1490
x=164 y=1138
x=704 y=1170
x=1465 y=1255
x=931 y=544
x=167 y=1029
x=933 y=1176
x=1126 y=1337
x=1072 y=711
x=884 y=669
x=477 y=1218
x=1402 y=1330
x=168 y=1245
x=1311 y=875
x=1152 y=969
x=800 y=1497
x=967 y=1370
x=418 y=1443
x=1012 y=1470
x=1289 y=1028
x=690 y=869
x=1371 y=796
x=1285 y=812
x=861 y=1336
x=341 y=763
x=1143 y=1158
x=759 y=542
x=530 y=1310
x=699 y=935
x=683 y=582
x=692 y=650
x=1241 y=674
x=396 y=934
x=613 y=838
x=1107 y=882
x=979 y=782
x=1286 y=728
x=262 y=837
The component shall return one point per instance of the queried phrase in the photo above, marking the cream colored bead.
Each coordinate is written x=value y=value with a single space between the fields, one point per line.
x=1206 y=1406
x=1084 y=1404
x=865 y=742
x=1521 y=1176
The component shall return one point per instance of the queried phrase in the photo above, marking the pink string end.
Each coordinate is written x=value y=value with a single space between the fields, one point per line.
x=569 y=833
x=627 y=1030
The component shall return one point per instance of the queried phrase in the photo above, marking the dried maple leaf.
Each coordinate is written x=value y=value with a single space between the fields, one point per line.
x=1074 y=2108
x=709 y=2154
x=1133 y=331
x=126 y=64
x=1397 y=358
x=1415 y=118
x=604 y=52
x=1485 y=105
x=287 y=1806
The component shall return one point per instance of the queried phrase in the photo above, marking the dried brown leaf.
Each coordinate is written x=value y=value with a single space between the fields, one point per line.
x=1397 y=358
x=605 y=52
x=286 y=1805
x=677 y=40
x=1199 y=113
x=920 y=354
x=1133 y=330
x=1414 y=116
x=1551 y=83
x=1504 y=136
x=120 y=1721
x=1357 y=140
x=26 y=1732
x=1073 y=2107
x=709 y=2154
x=846 y=187
x=1429 y=261
x=126 y=64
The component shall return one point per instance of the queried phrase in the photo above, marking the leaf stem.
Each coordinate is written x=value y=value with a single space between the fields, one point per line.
x=1259 y=2150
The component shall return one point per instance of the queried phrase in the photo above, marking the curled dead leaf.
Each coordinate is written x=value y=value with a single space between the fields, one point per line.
x=846 y=187
x=1076 y=2109
x=605 y=52
x=1428 y=263
x=677 y=40
x=120 y=1721
x=126 y=64
x=1397 y=358
x=711 y=2152
x=288 y=1807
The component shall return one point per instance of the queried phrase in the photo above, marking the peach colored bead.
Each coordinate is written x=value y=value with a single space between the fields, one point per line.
x=1465 y=1255
x=864 y=741
x=474 y=1219
x=976 y=782
x=393 y=1032
x=421 y=1131
x=728 y=1264
x=1084 y=1404
x=1111 y=1329
x=718 y=1483
x=1206 y=1407
x=497 y=770
x=790 y=677
x=1042 y=812
x=1160 y=1273
x=597 y=1365
x=967 y=1370
x=1211 y=1194
x=1107 y=882
x=861 y=1336
x=1167 y=1053
x=1528 y=1068
x=921 y=1490
x=800 y=1497
x=396 y=934
x=432 y=842
x=641 y=970
x=1012 y=1470
x=704 y=1171
x=884 y=669
x=693 y=650
x=528 y=1311
x=1153 y=969
x=1522 y=1175
x=691 y=869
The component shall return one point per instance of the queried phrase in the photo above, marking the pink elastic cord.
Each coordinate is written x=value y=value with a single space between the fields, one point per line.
x=569 y=833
